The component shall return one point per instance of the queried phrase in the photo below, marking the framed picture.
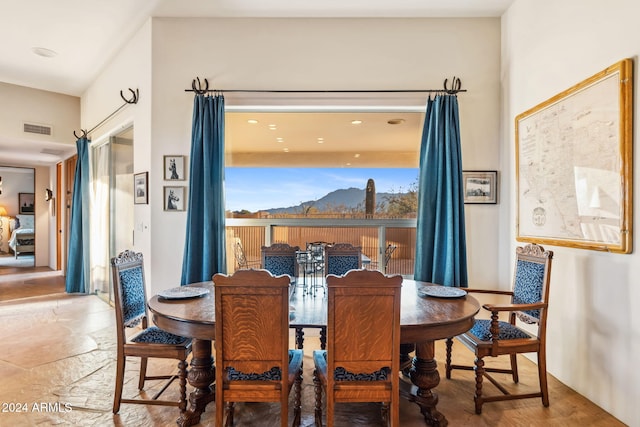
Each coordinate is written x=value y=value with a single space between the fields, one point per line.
x=174 y=198
x=26 y=201
x=141 y=188
x=480 y=187
x=174 y=168
x=574 y=163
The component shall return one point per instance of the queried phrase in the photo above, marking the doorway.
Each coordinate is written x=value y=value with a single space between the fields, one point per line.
x=112 y=221
x=17 y=223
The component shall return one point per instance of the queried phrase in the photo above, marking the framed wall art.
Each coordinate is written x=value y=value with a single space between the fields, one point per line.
x=174 y=168
x=141 y=188
x=26 y=202
x=480 y=187
x=174 y=198
x=574 y=165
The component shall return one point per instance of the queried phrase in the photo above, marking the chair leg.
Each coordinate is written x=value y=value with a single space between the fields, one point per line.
x=143 y=372
x=514 y=368
x=229 y=411
x=299 y=338
x=448 y=359
x=542 y=374
x=297 y=399
x=117 y=395
x=384 y=412
x=317 y=388
x=323 y=338
x=182 y=367
x=479 y=374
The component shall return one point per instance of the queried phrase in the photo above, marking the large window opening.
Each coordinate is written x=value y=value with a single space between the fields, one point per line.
x=347 y=176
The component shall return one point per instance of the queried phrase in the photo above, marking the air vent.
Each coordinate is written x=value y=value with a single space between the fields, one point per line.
x=39 y=129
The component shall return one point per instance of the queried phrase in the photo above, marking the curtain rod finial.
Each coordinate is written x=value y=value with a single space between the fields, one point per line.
x=135 y=96
x=456 y=86
x=84 y=134
x=199 y=89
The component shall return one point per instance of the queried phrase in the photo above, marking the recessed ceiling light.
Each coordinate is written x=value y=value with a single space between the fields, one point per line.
x=279 y=139
x=348 y=164
x=356 y=155
x=395 y=121
x=42 y=51
x=286 y=150
x=252 y=121
x=356 y=122
x=320 y=140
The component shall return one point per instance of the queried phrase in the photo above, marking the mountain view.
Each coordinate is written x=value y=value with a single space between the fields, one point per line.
x=343 y=199
x=296 y=190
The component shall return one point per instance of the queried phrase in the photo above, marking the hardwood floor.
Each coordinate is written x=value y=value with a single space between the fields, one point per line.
x=58 y=365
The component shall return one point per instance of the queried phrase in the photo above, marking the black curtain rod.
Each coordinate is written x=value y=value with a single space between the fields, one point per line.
x=135 y=96
x=456 y=87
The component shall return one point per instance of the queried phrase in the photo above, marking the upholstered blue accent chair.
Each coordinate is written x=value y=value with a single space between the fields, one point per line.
x=362 y=359
x=131 y=311
x=529 y=301
x=253 y=360
x=342 y=257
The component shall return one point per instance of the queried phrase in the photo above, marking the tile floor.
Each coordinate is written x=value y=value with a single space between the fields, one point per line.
x=57 y=366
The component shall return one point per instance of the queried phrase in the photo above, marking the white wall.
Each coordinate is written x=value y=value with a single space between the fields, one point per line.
x=324 y=54
x=594 y=323
x=131 y=68
x=62 y=113
x=21 y=104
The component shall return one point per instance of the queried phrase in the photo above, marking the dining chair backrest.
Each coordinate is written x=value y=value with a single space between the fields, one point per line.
x=363 y=341
x=129 y=290
x=531 y=281
x=280 y=258
x=342 y=257
x=252 y=339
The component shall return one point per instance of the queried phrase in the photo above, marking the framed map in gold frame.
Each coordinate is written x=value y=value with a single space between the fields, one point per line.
x=574 y=165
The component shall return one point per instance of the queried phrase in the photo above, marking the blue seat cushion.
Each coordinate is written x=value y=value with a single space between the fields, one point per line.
x=341 y=374
x=507 y=331
x=155 y=335
x=273 y=374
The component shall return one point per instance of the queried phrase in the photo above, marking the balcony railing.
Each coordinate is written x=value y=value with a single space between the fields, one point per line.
x=373 y=235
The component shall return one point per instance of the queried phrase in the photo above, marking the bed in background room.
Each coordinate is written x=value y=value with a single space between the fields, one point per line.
x=22 y=235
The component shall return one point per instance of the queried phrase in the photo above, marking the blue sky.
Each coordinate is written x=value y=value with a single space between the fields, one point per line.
x=256 y=189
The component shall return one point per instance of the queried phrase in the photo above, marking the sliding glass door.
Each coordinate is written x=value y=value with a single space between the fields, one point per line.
x=111 y=207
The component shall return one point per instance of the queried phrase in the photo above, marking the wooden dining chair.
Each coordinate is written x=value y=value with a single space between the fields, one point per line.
x=342 y=257
x=131 y=310
x=529 y=302
x=362 y=360
x=253 y=360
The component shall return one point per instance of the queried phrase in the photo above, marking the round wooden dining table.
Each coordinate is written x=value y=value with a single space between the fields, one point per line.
x=423 y=321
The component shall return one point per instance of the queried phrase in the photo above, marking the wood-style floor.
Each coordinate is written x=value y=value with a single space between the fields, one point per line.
x=57 y=367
